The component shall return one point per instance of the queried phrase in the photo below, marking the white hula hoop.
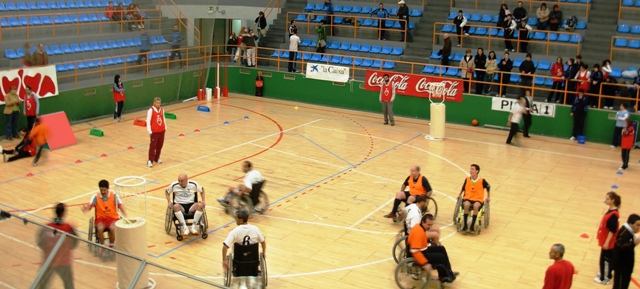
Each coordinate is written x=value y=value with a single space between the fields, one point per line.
x=121 y=181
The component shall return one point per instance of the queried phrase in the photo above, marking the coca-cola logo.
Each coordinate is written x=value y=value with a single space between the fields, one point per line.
x=444 y=89
x=399 y=82
x=441 y=89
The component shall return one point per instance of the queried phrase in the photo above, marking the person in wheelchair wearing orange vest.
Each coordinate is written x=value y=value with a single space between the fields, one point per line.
x=418 y=185
x=472 y=193
x=106 y=203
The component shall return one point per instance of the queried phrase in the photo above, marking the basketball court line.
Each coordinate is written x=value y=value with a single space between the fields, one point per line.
x=325 y=149
x=7 y=285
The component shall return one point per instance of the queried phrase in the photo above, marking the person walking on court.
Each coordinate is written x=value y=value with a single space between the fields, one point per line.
x=607 y=237
x=621 y=116
x=40 y=133
x=579 y=114
x=294 y=41
x=156 y=127
x=515 y=116
x=627 y=142
x=624 y=252
x=62 y=262
x=528 y=108
x=31 y=107
x=382 y=14
x=387 y=95
x=560 y=274
x=118 y=98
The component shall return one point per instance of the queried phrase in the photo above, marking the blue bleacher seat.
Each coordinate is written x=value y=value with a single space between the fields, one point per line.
x=129 y=42
x=367 y=22
x=314 y=42
x=375 y=49
x=105 y=3
x=514 y=78
x=394 y=11
x=627 y=2
x=305 y=43
x=345 y=46
x=346 y=9
x=306 y=56
x=42 y=5
x=620 y=42
x=72 y=18
x=137 y=41
x=412 y=25
x=635 y=29
x=564 y=38
x=376 y=64
x=4 y=22
x=55 y=49
x=452 y=15
x=61 y=4
x=285 y=54
x=65 y=48
x=301 y=18
x=75 y=47
x=23 y=21
x=32 y=6
x=316 y=57
x=452 y=71
x=79 y=4
x=386 y=50
x=396 y=25
x=637 y=4
x=538 y=81
x=34 y=20
x=20 y=52
x=635 y=44
x=356 y=9
x=112 y=44
x=60 y=68
x=517 y=62
x=94 y=18
x=415 y=13
x=501 y=33
x=494 y=32
x=120 y=60
x=333 y=45
x=434 y=55
x=486 y=18
x=88 y=4
x=12 y=21
x=397 y=51
x=309 y=7
x=2 y=7
x=547 y=82
x=481 y=31
x=10 y=6
x=540 y=35
x=616 y=72
x=544 y=65
x=553 y=36
x=337 y=8
x=45 y=20
x=366 y=63
x=104 y=45
x=447 y=28
x=472 y=30
x=458 y=56
x=388 y=23
x=85 y=46
x=152 y=40
x=388 y=65
x=71 y=4
x=365 y=48
x=354 y=47
x=318 y=7
x=275 y=53
x=581 y=25
x=335 y=59
x=366 y=10
x=357 y=61
x=428 y=69
x=83 y=65
x=161 y=39
x=318 y=19
x=575 y=38
x=299 y=55
x=475 y=17
x=83 y=18
x=109 y=61
x=624 y=28
x=11 y=54
x=69 y=66
x=94 y=45
x=337 y=20
x=532 y=21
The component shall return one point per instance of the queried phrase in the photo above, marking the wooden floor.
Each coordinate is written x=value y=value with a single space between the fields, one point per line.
x=331 y=177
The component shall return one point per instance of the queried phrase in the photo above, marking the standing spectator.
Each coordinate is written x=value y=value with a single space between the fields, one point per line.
x=583 y=76
x=502 y=15
x=446 y=50
x=321 y=45
x=505 y=66
x=387 y=95
x=11 y=113
x=294 y=41
x=520 y=14
x=523 y=37
x=479 y=63
x=145 y=46
x=555 y=18
x=467 y=67
x=606 y=68
x=232 y=45
x=31 y=107
x=569 y=75
x=26 y=148
x=509 y=29
x=596 y=79
x=579 y=114
x=527 y=69
x=39 y=134
x=403 y=14
x=621 y=118
x=63 y=259
x=249 y=41
x=627 y=142
x=560 y=274
x=624 y=252
x=382 y=14
x=557 y=75
x=461 y=26
x=609 y=89
x=517 y=110
x=292 y=27
x=118 y=98
x=176 y=38
x=543 y=16
x=528 y=107
x=492 y=66
x=261 y=22
x=118 y=14
x=156 y=127
x=39 y=57
x=607 y=237
x=328 y=6
x=240 y=51
x=109 y=11
x=27 y=59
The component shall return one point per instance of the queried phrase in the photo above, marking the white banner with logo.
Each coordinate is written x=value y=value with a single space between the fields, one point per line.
x=43 y=81
x=327 y=72
x=538 y=108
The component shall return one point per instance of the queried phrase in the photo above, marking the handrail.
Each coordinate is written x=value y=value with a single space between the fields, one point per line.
x=76 y=24
x=355 y=28
x=179 y=15
x=613 y=47
x=268 y=9
x=550 y=4
x=621 y=7
x=376 y=1
x=548 y=43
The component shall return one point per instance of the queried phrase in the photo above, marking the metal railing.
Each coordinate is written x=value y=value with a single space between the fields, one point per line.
x=626 y=8
x=534 y=4
x=356 y=23
x=628 y=39
x=182 y=25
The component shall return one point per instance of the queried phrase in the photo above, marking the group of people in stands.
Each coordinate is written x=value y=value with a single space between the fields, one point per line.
x=132 y=16
x=39 y=57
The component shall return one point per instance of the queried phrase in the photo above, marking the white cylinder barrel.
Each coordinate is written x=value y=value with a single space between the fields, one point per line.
x=438 y=120
x=132 y=239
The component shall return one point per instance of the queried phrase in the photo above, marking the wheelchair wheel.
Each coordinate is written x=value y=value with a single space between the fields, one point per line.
x=456 y=211
x=432 y=207
x=204 y=225
x=486 y=214
x=399 y=250
x=409 y=275
x=91 y=232
x=239 y=203
x=263 y=270
x=263 y=205
x=229 y=273
x=168 y=220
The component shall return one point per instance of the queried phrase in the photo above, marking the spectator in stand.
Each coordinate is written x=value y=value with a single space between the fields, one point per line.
x=118 y=13
x=491 y=67
x=502 y=15
x=527 y=69
x=135 y=15
x=240 y=51
x=505 y=67
x=555 y=18
x=609 y=89
x=145 y=46
x=627 y=142
x=446 y=50
x=321 y=45
x=606 y=68
x=261 y=22
x=27 y=59
x=109 y=11
x=244 y=36
x=543 y=16
x=557 y=75
x=403 y=14
x=382 y=14
x=583 y=78
x=467 y=67
x=579 y=61
x=596 y=81
x=560 y=274
x=523 y=37
x=328 y=6
x=569 y=75
x=621 y=117
x=249 y=38
x=118 y=98
x=461 y=26
x=480 y=65
x=31 y=107
x=510 y=27
x=232 y=45
x=39 y=57
x=294 y=41
x=520 y=14
x=11 y=112
x=176 y=38
x=579 y=114
x=26 y=148
x=292 y=26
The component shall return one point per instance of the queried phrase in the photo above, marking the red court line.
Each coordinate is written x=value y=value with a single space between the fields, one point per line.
x=635 y=282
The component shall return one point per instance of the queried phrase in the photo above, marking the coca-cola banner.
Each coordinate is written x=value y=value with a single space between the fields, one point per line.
x=42 y=79
x=435 y=88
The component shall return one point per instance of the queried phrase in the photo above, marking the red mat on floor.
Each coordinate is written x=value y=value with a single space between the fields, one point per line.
x=61 y=133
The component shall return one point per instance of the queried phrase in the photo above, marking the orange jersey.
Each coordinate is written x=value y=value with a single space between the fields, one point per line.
x=474 y=191
x=106 y=209
x=415 y=186
x=417 y=243
x=40 y=133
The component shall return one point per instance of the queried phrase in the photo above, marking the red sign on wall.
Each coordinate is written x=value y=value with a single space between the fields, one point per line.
x=435 y=88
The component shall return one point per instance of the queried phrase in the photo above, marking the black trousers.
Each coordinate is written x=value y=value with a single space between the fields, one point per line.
x=30 y=121
x=526 y=82
x=625 y=158
x=621 y=279
x=117 y=113
x=578 y=124
x=571 y=88
x=143 y=54
x=403 y=25
x=439 y=260
x=505 y=78
x=176 y=51
x=617 y=134
x=479 y=85
x=381 y=32
x=606 y=267
x=508 y=35
x=459 y=31
x=555 y=86
x=38 y=153
x=467 y=85
x=292 y=59
x=259 y=91
x=21 y=154
x=513 y=131
x=445 y=60
x=527 y=124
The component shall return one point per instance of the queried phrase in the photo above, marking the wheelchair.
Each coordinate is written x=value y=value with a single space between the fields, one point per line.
x=171 y=220
x=409 y=274
x=431 y=208
x=398 y=250
x=237 y=203
x=481 y=220
x=246 y=262
x=92 y=236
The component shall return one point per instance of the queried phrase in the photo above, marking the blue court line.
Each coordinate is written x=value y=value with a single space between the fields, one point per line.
x=112 y=153
x=325 y=149
x=289 y=195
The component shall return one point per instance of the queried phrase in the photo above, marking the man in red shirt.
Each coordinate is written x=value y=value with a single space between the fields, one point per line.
x=387 y=95
x=156 y=126
x=26 y=148
x=560 y=274
x=47 y=240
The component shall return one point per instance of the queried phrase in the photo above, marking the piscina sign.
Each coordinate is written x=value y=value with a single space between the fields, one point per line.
x=538 y=108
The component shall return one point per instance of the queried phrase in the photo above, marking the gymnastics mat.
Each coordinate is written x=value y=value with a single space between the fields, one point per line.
x=61 y=133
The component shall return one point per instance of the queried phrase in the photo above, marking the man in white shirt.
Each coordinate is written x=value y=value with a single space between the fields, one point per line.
x=515 y=116
x=251 y=184
x=413 y=213
x=184 y=194
x=294 y=42
x=238 y=235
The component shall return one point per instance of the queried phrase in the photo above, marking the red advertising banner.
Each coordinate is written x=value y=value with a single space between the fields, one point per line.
x=435 y=88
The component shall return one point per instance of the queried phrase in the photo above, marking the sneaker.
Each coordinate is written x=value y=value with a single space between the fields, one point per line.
x=159 y=161
x=223 y=202
x=513 y=50
x=116 y=120
x=466 y=34
x=35 y=164
x=465 y=228
x=621 y=169
x=458 y=45
x=603 y=282
x=4 y=156
x=471 y=229
x=557 y=101
x=149 y=164
x=506 y=49
x=572 y=138
x=612 y=146
x=121 y=118
x=391 y=216
x=393 y=123
x=185 y=232
x=194 y=231
x=386 y=123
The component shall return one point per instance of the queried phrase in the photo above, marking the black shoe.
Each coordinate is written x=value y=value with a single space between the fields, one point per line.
x=465 y=228
x=393 y=123
x=471 y=229
x=526 y=136
x=386 y=123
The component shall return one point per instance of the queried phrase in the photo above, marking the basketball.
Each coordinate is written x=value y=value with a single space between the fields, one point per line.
x=474 y=122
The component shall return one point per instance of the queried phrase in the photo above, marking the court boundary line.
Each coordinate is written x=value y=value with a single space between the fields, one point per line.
x=326 y=150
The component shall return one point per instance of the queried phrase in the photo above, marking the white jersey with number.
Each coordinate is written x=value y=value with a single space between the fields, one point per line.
x=414 y=215
x=186 y=195
x=251 y=178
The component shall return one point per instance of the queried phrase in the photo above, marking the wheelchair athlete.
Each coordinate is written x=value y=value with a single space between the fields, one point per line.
x=472 y=193
x=413 y=215
x=418 y=185
x=107 y=205
x=251 y=184
x=426 y=256
x=184 y=195
x=240 y=235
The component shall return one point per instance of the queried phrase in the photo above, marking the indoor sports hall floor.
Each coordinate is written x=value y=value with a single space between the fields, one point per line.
x=331 y=177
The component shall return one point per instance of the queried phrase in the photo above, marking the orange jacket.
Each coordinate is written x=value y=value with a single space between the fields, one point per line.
x=40 y=133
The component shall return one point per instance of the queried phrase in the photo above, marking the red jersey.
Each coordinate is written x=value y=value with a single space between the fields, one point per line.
x=30 y=105
x=583 y=84
x=628 y=136
x=603 y=231
x=559 y=275
x=155 y=120
x=387 y=92
x=118 y=96
x=48 y=239
x=557 y=71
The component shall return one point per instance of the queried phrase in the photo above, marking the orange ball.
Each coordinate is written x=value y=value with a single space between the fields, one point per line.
x=474 y=122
